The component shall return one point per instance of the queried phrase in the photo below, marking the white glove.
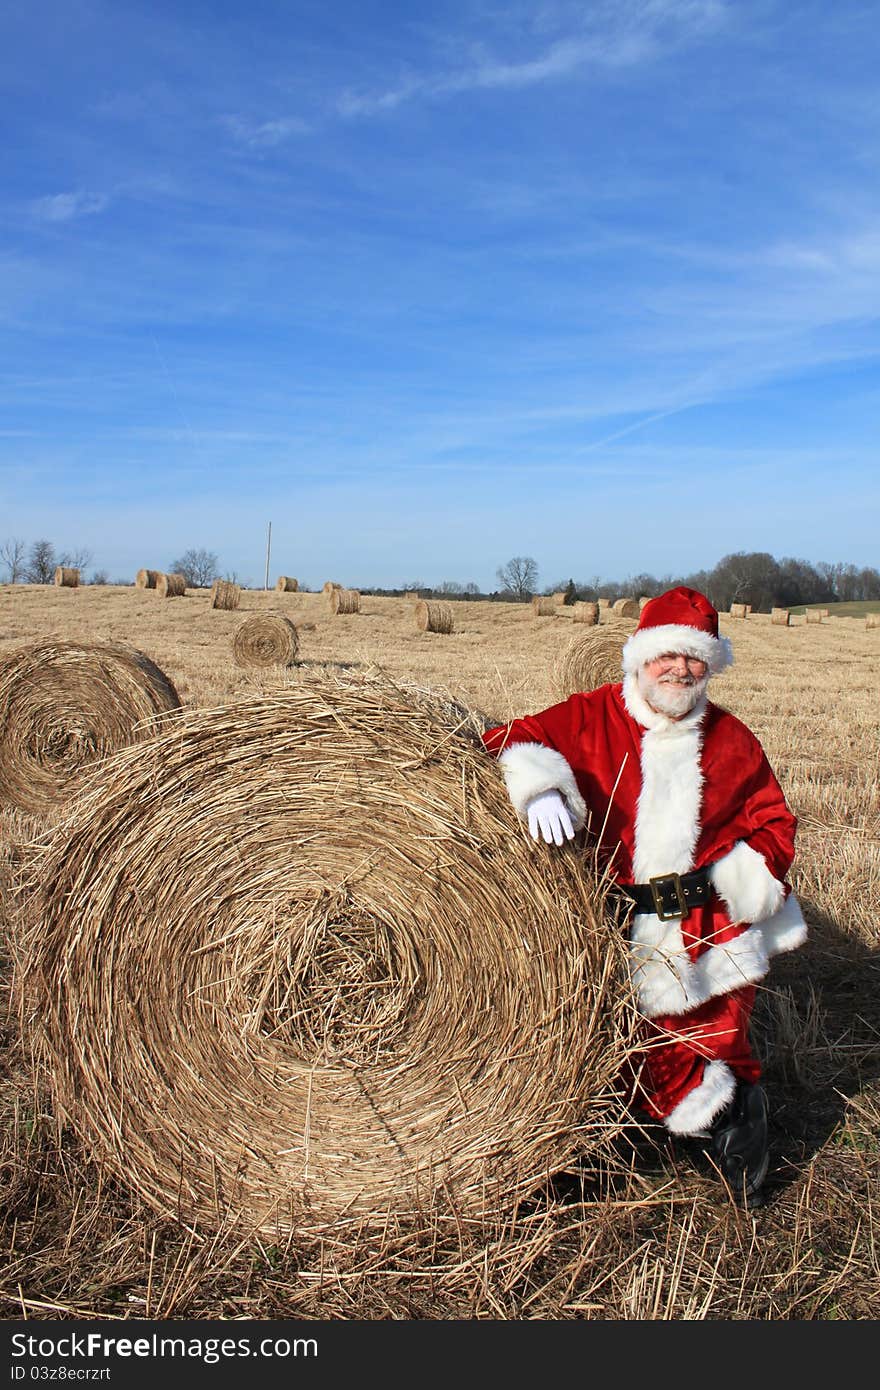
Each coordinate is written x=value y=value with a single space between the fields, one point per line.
x=548 y=816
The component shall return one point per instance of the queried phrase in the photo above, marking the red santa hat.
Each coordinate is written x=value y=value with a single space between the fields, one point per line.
x=681 y=620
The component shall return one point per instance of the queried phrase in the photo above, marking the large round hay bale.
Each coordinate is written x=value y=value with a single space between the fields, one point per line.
x=592 y=658
x=329 y=585
x=63 y=706
x=780 y=617
x=345 y=600
x=626 y=607
x=604 y=602
x=559 y=597
x=583 y=611
x=286 y=584
x=359 y=991
x=170 y=585
x=738 y=610
x=266 y=639
x=225 y=594
x=543 y=606
x=146 y=579
x=813 y=615
x=434 y=617
x=66 y=577
x=872 y=620
x=645 y=598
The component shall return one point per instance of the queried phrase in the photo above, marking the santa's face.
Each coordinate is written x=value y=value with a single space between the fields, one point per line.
x=673 y=683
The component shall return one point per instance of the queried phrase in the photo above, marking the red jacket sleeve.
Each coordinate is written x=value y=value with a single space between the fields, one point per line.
x=556 y=727
x=771 y=824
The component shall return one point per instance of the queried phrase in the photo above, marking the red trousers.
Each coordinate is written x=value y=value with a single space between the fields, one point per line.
x=677 y=1049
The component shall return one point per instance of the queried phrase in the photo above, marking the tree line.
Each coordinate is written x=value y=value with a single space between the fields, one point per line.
x=753 y=577
x=757 y=578
x=36 y=563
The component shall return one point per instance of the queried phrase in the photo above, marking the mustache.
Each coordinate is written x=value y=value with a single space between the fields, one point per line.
x=670 y=679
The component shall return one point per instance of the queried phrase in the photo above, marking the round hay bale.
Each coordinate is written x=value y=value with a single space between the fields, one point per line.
x=329 y=585
x=266 y=639
x=626 y=607
x=559 y=596
x=146 y=579
x=435 y=617
x=872 y=620
x=604 y=602
x=543 y=607
x=591 y=659
x=780 y=617
x=645 y=598
x=738 y=610
x=345 y=600
x=66 y=578
x=813 y=615
x=225 y=594
x=285 y=584
x=63 y=706
x=170 y=585
x=585 y=612
x=413 y=595
x=361 y=990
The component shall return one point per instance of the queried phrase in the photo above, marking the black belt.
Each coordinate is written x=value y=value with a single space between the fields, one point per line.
x=670 y=895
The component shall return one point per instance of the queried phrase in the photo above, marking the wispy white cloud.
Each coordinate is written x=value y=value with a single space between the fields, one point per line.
x=265 y=134
x=65 y=207
x=622 y=35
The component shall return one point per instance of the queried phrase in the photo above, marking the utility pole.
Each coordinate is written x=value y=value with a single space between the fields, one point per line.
x=268 y=548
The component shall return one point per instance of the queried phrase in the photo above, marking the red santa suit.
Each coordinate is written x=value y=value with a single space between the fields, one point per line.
x=667 y=796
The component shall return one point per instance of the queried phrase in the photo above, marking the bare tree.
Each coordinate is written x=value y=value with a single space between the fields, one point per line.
x=12 y=554
x=76 y=559
x=519 y=576
x=199 y=568
x=42 y=563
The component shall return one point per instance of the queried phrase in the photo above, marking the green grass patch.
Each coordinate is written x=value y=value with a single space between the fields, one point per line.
x=857 y=609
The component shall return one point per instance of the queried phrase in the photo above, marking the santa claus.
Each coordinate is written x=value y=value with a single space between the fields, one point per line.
x=693 y=827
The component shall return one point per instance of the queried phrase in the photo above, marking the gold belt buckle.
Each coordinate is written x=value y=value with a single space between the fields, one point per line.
x=656 y=894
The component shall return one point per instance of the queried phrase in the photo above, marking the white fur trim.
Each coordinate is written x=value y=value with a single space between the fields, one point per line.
x=647 y=643
x=741 y=961
x=746 y=959
x=532 y=768
x=745 y=884
x=660 y=967
x=665 y=837
x=785 y=930
x=693 y=1115
x=668 y=812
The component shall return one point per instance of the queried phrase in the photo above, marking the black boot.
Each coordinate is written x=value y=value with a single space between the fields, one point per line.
x=741 y=1145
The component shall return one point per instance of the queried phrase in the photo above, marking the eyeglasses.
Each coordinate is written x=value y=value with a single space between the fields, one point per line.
x=667 y=659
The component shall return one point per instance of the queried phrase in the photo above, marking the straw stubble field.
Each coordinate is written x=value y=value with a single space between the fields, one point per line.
x=645 y=1230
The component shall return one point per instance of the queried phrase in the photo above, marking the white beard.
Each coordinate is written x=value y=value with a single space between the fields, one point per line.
x=672 y=698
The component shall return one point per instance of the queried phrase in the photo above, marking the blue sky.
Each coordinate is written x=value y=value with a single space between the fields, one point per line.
x=427 y=287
